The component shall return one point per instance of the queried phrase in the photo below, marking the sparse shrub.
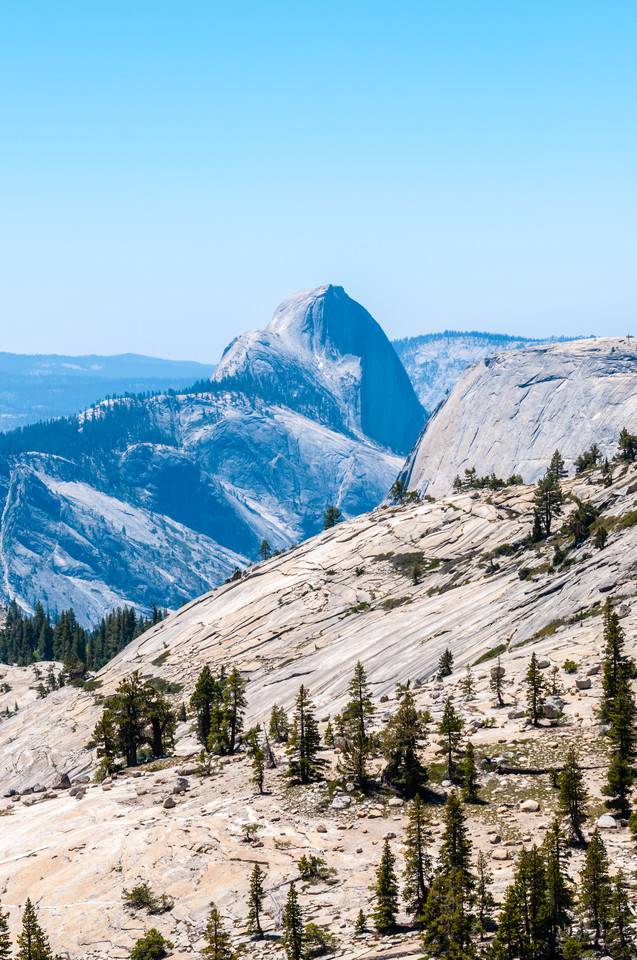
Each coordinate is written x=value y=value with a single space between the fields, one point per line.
x=318 y=940
x=141 y=897
x=152 y=946
x=312 y=868
x=569 y=666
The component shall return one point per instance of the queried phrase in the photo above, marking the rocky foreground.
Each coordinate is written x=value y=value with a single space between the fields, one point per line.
x=307 y=616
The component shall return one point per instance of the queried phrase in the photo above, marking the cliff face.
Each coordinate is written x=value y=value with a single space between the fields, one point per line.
x=510 y=412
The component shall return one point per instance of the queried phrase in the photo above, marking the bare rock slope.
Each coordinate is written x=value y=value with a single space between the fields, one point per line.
x=509 y=413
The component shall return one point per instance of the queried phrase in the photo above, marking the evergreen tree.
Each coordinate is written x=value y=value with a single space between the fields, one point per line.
x=128 y=709
x=616 y=666
x=357 y=717
x=218 y=946
x=161 y=719
x=33 y=943
x=627 y=446
x=398 y=490
x=548 y=498
x=331 y=517
x=447 y=919
x=622 y=942
x=467 y=684
x=417 y=870
x=595 y=889
x=360 y=926
x=5 y=939
x=484 y=898
x=386 y=892
x=328 y=736
x=265 y=550
x=279 y=728
x=445 y=664
x=573 y=796
x=152 y=946
x=455 y=848
x=293 y=926
x=450 y=731
x=621 y=775
x=256 y=896
x=559 y=899
x=234 y=704
x=206 y=692
x=469 y=773
x=401 y=740
x=305 y=741
x=257 y=759
x=496 y=682
x=535 y=691
x=523 y=927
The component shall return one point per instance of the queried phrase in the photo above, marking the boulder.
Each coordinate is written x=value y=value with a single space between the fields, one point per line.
x=169 y=803
x=606 y=822
x=552 y=708
x=341 y=802
x=500 y=853
x=529 y=806
x=594 y=670
x=543 y=664
x=583 y=683
x=64 y=783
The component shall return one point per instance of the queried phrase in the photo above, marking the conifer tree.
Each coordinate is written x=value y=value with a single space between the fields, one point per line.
x=328 y=736
x=218 y=946
x=357 y=717
x=535 y=691
x=455 y=848
x=559 y=899
x=573 y=797
x=265 y=550
x=447 y=919
x=161 y=720
x=279 y=728
x=257 y=759
x=467 y=684
x=620 y=776
x=627 y=446
x=469 y=774
x=524 y=922
x=445 y=664
x=450 y=731
x=33 y=943
x=305 y=741
x=417 y=870
x=152 y=946
x=360 y=926
x=386 y=892
x=622 y=941
x=548 y=498
x=5 y=939
x=206 y=692
x=331 y=517
x=616 y=666
x=496 y=682
x=255 y=901
x=401 y=740
x=293 y=926
x=234 y=704
x=484 y=898
x=595 y=889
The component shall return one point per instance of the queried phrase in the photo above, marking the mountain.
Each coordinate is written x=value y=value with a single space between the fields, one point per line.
x=306 y=617
x=509 y=413
x=435 y=361
x=40 y=387
x=153 y=500
x=324 y=355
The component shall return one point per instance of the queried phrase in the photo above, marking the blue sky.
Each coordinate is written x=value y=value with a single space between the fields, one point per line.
x=169 y=171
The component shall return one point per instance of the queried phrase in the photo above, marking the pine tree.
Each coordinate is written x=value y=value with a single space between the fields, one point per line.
x=33 y=943
x=616 y=665
x=559 y=898
x=386 y=892
x=467 y=684
x=484 y=898
x=469 y=773
x=417 y=870
x=5 y=939
x=447 y=919
x=218 y=946
x=595 y=888
x=445 y=664
x=622 y=942
x=357 y=717
x=535 y=691
x=523 y=927
x=455 y=848
x=548 y=498
x=305 y=741
x=257 y=759
x=627 y=446
x=398 y=490
x=496 y=682
x=293 y=926
x=328 y=736
x=360 y=926
x=331 y=517
x=265 y=550
x=233 y=709
x=279 y=728
x=206 y=692
x=573 y=796
x=255 y=901
x=152 y=946
x=401 y=740
x=620 y=776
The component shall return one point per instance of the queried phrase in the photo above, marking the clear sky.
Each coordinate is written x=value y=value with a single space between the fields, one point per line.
x=169 y=171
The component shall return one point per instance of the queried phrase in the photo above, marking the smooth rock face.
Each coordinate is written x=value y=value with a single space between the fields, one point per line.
x=509 y=413
x=178 y=490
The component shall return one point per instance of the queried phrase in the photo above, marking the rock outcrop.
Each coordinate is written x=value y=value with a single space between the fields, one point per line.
x=509 y=413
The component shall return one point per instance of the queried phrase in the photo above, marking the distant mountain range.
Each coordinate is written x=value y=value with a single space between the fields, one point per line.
x=158 y=499
x=40 y=387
